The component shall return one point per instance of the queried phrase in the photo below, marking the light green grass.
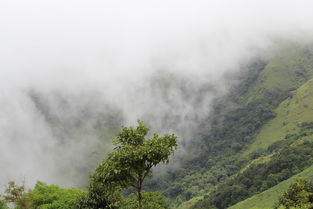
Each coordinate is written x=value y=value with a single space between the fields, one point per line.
x=268 y=198
x=290 y=67
x=290 y=114
x=260 y=160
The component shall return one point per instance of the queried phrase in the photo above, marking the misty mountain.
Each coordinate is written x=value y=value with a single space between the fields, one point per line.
x=237 y=145
x=232 y=79
x=78 y=128
x=259 y=135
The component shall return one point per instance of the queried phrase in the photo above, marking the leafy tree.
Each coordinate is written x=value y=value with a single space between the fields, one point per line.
x=151 y=200
x=99 y=196
x=3 y=205
x=16 y=194
x=129 y=164
x=43 y=196
x=54 y=197
x=299 y=194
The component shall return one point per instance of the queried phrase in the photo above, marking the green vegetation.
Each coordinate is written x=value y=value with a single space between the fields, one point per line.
x=299 y=194
x=3 y=205
x=230 y=130
x=54 y=197
x=291 y=113
x=290 y=66
x=232 y=149
x=43 y=196
x=128 y=166
x=290 y=157
x=270 y=197
x=151 y=200
x=17 y=195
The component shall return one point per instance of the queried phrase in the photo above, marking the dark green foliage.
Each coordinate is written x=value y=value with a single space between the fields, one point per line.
x=239 y=126
x=218 y=160
x=98 y=197
x=299 y=194
x=230 y=128
x=288 y=161
x=3 y=205
x=151 y=200
x=306 y=126
x=128 y=165
x=248 y=78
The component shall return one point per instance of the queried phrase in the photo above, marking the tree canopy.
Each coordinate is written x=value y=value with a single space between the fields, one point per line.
x=129 y=164
x=299 y=194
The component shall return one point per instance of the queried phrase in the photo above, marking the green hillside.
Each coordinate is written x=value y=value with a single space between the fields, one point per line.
x=268 y=198
x=271 y=128
x=290 y=67
x=291 y=113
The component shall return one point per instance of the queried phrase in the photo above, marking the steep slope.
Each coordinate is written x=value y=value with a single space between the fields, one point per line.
x=290 y=66
x=294 y=120
x=268 y=198
x=250 y=154
x=292 y=113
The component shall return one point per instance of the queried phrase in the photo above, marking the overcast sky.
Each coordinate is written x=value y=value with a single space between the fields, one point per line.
x=96 y=40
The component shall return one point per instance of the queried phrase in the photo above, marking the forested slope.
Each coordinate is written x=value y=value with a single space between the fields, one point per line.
x=268 y=198
x=259 y=135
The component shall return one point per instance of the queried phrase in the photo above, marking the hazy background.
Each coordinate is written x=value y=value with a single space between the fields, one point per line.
x=73 y=71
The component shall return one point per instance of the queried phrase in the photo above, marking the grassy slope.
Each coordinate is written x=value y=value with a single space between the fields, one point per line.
x=268 y=198
x=290 y=114
x=285 y=71
x=290 y=67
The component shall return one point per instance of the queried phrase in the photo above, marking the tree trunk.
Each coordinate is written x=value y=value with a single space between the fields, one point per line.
x=140 y=203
